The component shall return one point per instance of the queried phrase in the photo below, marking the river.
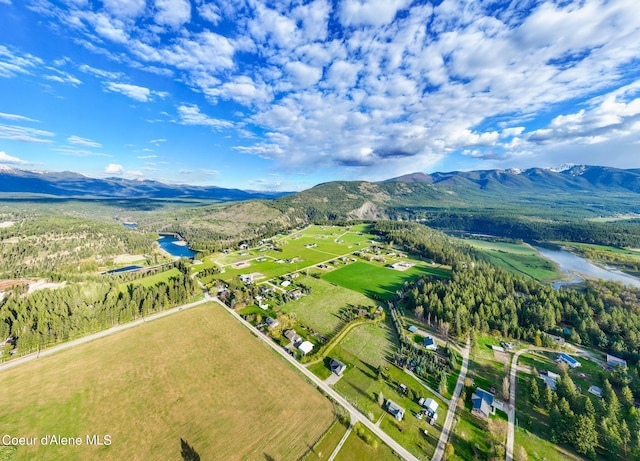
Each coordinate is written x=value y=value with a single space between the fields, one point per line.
x=175 y=247
x=573 y=265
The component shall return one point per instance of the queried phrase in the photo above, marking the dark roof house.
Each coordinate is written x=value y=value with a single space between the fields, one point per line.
x=337 y=366
x=482 y=403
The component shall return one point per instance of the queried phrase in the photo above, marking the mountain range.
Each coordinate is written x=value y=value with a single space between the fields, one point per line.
x=70 y=184
x=594 y=189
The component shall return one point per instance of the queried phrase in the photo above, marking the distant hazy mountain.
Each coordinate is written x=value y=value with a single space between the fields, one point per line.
x=69 y=184
x=591 y=190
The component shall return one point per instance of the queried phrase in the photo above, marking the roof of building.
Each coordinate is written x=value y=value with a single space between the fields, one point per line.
x=272 y=322
x=291 y=335
x=305 y=347
x=482 y=401
x=429 y=342
x=413 y=328
x=431 y=405
x=613 y=360
x=395 y=409
x=568 y=359
x=595 y=390
x=337 y=366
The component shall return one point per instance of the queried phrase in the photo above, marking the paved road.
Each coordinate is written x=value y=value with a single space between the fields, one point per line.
x=353 y=412
x=100 y=334
x=446 y=429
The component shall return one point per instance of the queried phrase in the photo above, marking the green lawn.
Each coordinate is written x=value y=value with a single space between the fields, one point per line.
x=373 y=343
x=328 y=443
x=518 y=258
x=152 y=280
x=320 y=309
x=375 y=281
x=357 y=449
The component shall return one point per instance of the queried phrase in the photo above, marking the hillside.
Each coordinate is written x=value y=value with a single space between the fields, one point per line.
x=586 y=191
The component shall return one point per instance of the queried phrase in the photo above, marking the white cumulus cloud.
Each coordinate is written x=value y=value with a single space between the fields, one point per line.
x=114 y=168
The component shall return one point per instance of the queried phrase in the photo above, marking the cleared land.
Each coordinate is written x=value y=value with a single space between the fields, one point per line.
x=375 y=281
x=519 y=258
x=196 y=376
x=320 y=308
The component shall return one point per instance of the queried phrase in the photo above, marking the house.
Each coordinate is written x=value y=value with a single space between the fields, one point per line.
x=616 y=362
x=430 y=344
x=431 y=406
x=305 y=347
x=292 y=336
x=396 y=410
x=246 y=279
x=482 y=403
x=337 y=366
x=595 y=390
x=549 y=378
x=564 y=358
x=507 y=346
x=285 y=284
x=271 y=322
x=413 y=328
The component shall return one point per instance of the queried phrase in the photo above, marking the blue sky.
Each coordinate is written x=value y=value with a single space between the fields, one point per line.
x=283 y=95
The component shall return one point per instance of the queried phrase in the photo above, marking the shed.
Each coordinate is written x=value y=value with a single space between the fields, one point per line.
x=413 y=328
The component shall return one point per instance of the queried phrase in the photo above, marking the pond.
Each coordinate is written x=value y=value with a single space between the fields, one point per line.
x=175 y=246
x=573 y=265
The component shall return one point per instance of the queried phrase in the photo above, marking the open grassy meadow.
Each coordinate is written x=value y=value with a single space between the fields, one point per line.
x=518 y=258
x=196 y=380
x=376 y=281
x=320 y=308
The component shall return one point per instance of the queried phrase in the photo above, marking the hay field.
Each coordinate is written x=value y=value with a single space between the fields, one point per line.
x=196 y=376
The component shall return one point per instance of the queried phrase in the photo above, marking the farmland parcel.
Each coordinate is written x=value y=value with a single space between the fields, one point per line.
x=196 y=377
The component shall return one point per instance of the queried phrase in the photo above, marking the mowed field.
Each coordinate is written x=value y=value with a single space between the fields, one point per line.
x=378 y=281
x=196 y=376
x=321 y=308
x=518 y=258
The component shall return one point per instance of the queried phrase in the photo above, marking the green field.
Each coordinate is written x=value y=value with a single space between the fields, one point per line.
x=373 y=343
x=518 y=258
x=375 y=281
x=320 y=309
x=311 y=246
x=324 y=448
x=357 y=449
x=153 y=280
x=196 y=376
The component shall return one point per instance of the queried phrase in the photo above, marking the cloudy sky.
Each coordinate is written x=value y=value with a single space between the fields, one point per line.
x=283 y=95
